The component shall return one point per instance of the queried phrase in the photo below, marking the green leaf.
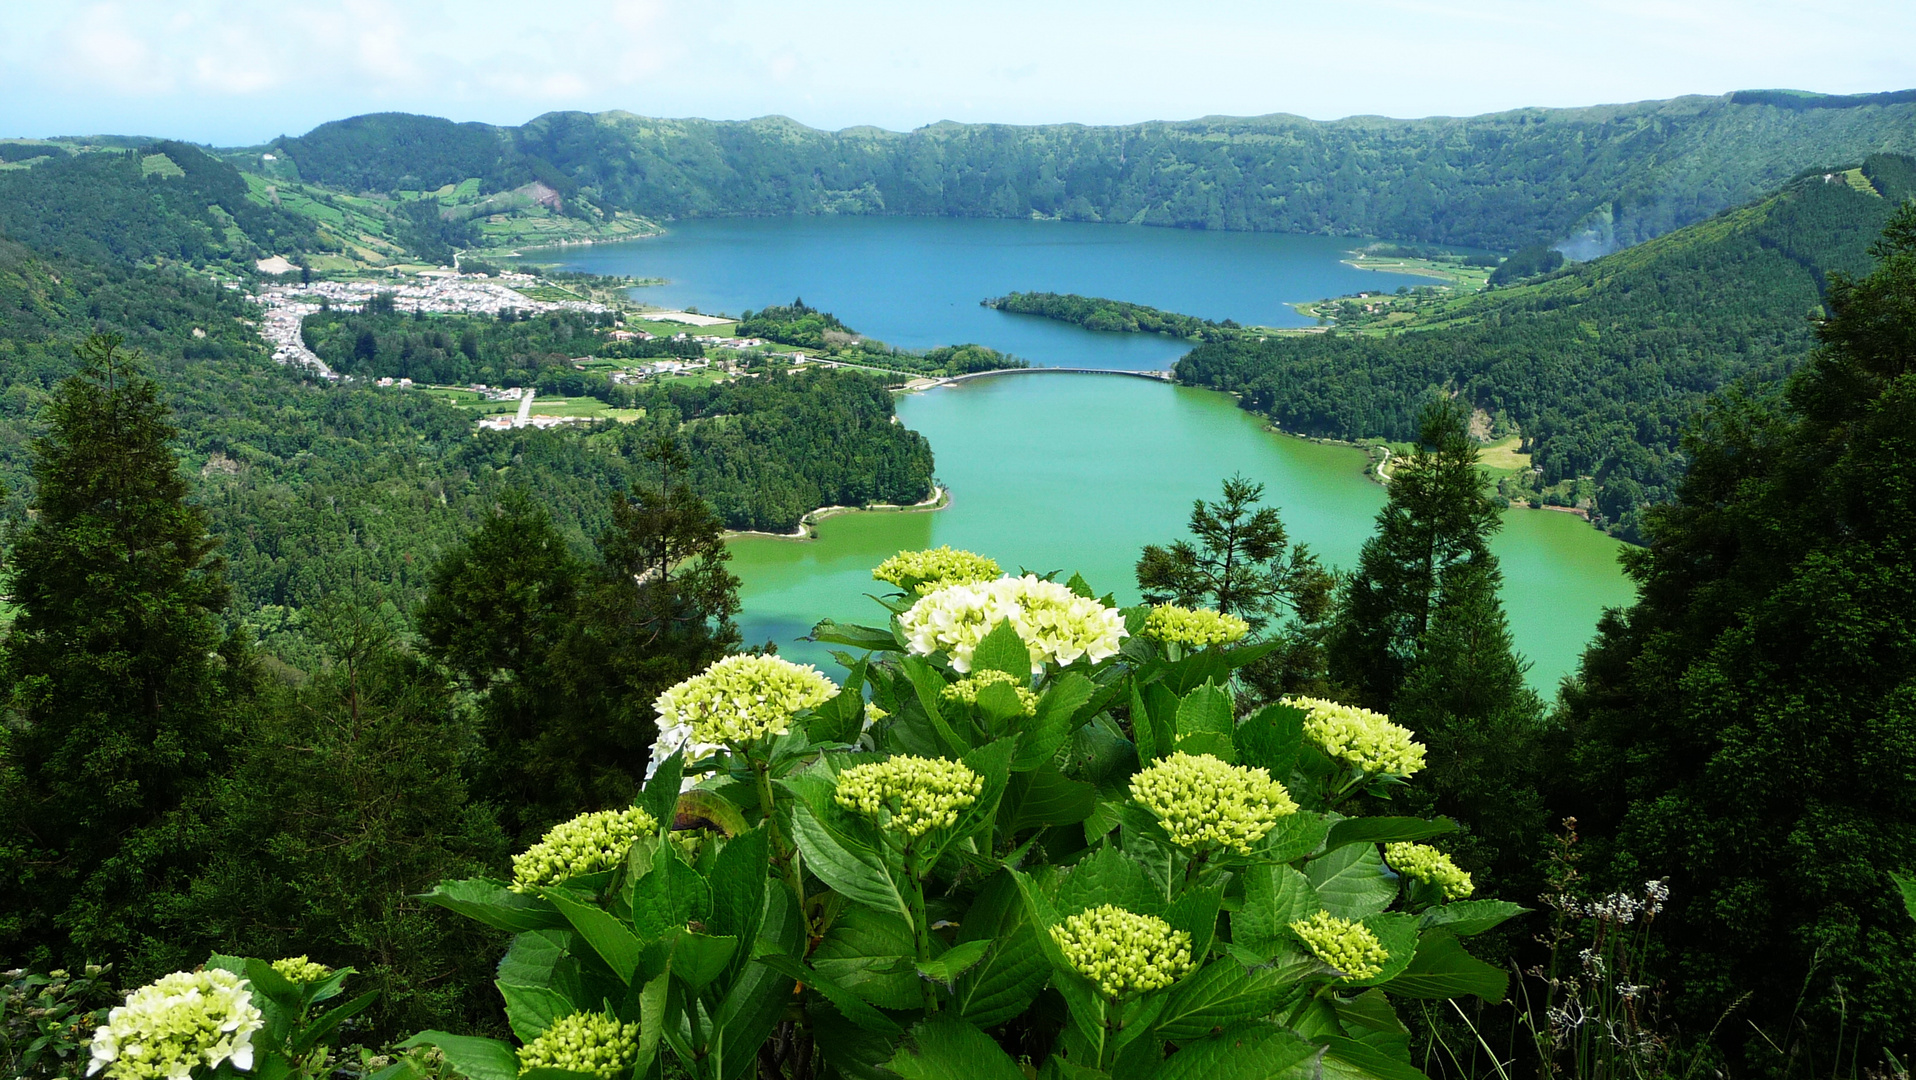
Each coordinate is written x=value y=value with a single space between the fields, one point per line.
x=1467 y=917
x=760 y=996
x=661 y=795
x=282 y=991
x=1003 y=650
x=1195 y=913
x=1346 y=1058
x=532 y=1009
x=1274 y=898
x=615 y=943
x=316 y=1030
x=1251 y=1052
x=992 y=763
x=1204 y=666
x=543 y=958
x=838 y=720
x=1397 y=933
x=848 y=1004
x=672 y=895
x=470 y=1056
x=1012 y=973
x=1370 y=1019
x=853 y=1052
x=1048 y=730
x=698 y=959
x=848 y=867
x=1907 y=886
x=1204 y=723
x=1080 y=587
x=1442 y=969
x=1044 y=796
x=1293 y=837
x=947 y=1048
x=953 y=962
x=930 y=688
x=1223 y=993
x=492 y=903
x=1161 y=710
x=738 y=884
x=999 y=703
x=1351 y=882
x=1143 y=729
x=1108 y=876
x=1385 y=830
x=700 y=808
x=1270 y=738
x=867 y=952
x=868 y=638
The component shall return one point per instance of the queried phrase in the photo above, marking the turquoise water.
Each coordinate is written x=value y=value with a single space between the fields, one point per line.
x=1073 y=472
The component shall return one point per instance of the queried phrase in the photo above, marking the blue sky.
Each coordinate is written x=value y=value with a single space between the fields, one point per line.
x=242 y=72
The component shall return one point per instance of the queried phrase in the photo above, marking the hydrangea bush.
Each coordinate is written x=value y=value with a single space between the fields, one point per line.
x=1020 y=793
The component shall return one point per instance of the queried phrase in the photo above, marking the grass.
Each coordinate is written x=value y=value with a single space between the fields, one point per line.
x=1503 y=455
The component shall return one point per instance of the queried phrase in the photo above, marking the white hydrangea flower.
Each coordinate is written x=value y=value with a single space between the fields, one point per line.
x=178 y=1022
x=736 y=700
x=1057 y=625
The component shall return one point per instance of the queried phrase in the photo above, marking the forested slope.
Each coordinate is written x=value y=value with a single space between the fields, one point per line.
x=322 y=491
x=1607 y=175
x=1600 y=366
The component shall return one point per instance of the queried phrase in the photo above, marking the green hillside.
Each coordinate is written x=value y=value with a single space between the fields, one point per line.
x=1600 y=365
x=1603 y=177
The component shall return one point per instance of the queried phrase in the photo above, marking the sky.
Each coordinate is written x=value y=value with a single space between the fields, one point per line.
x=240 y=73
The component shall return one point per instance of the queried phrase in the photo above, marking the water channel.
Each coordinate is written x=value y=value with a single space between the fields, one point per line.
x=1073 y=472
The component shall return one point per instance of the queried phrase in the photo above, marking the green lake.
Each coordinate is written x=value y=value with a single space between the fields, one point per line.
x=1073 y=472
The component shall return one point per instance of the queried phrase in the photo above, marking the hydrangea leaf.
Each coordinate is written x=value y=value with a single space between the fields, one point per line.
x=1108 y=876
x=947 y=1048
x=953 y=962
x=1346 y=1058
x=1466 y=917
x=853 y=1052
x=1204 y=723
x=670 y=896
x=1352 y=882
x=1044 y=796
x=615 y=943
x=738 y=884
x=1274 y=898
x=851 y=869
x=1293 y=837
x=865 y=951
x=530 y=1010
x=471 y=1056
x=1270 y=737
x=699 y=959
x=492 y=903
x=1046 y=732
x=1442 y=969
x=1370 y=1019
x=869 y=638
x=1004 y=984
x=1225 y=992
x=1003 y=650
x=1397 y=933
x=848 y=1004
x=838 y=720
x=1255 y=1051
x=1385 y=830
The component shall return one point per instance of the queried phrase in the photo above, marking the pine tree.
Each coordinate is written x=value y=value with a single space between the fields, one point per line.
x=1437 y=524
x=115 y=686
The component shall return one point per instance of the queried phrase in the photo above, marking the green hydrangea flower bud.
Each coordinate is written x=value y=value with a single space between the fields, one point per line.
x=587 y=844
x=738 y=700
x=966 y=689
x=925 y=571
x=592 y=1043
x=1206 y=803
x=1123 y=952
x=180 y=1022
x=1348 y=946
x=298 y=969
x=912 y=795
x=1194 y=627
x=1361 y=738
x=1428 y=865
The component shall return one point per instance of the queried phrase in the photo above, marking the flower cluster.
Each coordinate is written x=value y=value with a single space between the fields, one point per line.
x=966 y=689
x=582 y=1042
x=587 y=844
x=924 y=571
x=1430 y=866
x=1345 y=945
x=298 y=969
x=915 y=794
x=1057 y=625
x=1348 y=946
x=171 y=1026
x=1195 y=627
x=737 y=700
x=1206 y=803
x=1360 y=738
x=1123 y=952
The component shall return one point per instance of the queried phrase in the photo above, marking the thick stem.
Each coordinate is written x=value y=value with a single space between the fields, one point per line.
x=783 y=851
x=920 y=926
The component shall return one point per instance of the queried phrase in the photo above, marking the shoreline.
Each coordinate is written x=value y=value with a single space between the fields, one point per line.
x=939 y=500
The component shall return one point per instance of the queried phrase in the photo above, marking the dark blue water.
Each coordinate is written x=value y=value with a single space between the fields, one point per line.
x=916 y=282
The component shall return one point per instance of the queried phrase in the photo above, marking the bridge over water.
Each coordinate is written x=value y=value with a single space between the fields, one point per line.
x=1156 y=375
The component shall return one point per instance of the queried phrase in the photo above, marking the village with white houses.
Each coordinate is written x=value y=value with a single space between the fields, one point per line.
x=284 y=307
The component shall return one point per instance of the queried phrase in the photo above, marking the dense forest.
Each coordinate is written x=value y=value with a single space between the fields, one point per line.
x=1602 y=364
x=1120 y=316
x=1601 y=177
x=800 y=324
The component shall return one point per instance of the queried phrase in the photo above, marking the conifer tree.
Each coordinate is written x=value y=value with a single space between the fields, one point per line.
x=114 y=686
x=1437 y=524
